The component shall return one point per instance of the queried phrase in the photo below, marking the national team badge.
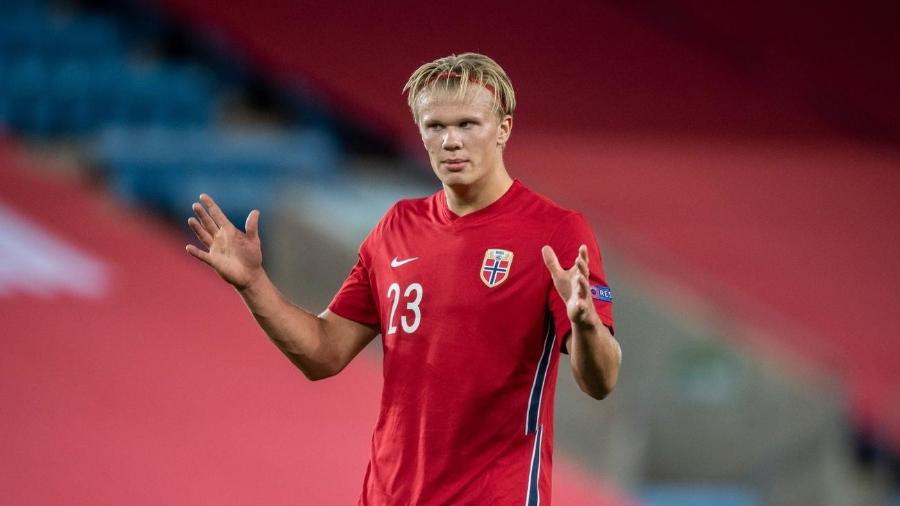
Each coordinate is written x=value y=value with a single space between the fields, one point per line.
x=495 y=266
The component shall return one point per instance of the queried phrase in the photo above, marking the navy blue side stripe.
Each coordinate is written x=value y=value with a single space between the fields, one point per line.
x=533 y=497
x=537 y=388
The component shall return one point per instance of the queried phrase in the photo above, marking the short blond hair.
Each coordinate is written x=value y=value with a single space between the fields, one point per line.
x=456 y=72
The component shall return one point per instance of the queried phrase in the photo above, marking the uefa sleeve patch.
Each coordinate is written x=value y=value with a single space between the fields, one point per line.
x=602 y=293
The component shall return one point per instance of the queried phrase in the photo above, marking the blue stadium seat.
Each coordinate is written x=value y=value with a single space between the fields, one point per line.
x=29 y=107
x=23 y=33
x=188 y=97
x=68 y=76
x=164 y=168
x=49 y=68
x=4 y=97
x=171 y=96
x=89 y=38
x=70 y=88
x=107 y=79
x=699 y=495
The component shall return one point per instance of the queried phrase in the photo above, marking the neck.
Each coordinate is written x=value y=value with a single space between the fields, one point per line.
x=466 y=199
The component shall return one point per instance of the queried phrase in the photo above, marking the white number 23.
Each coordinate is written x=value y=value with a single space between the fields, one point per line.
x=412 y=296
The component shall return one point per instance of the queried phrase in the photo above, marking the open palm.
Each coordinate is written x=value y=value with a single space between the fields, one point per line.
x=573 y=286
x=236 y=256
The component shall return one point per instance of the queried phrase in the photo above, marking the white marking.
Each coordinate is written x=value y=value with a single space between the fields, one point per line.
x=546 y=371
x=550 y=328
x=36 y=262
x=397 y=263
x=535 y=454
x=394 y=294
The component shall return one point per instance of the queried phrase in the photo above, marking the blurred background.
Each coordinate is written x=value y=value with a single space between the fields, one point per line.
x=740 y=162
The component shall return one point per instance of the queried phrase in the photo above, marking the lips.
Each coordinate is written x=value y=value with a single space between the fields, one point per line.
x=454 y=164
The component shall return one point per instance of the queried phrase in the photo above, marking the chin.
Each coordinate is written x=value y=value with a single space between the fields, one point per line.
x=456 y=179
x=453 y=178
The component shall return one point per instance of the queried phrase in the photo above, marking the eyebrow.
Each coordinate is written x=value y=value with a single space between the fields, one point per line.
x=464 y=119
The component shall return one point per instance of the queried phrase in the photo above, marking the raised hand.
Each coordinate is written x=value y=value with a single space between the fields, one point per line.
x=236 y=256
x=573 y=286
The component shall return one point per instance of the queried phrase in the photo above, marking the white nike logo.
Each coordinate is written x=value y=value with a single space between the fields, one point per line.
x=397 y=263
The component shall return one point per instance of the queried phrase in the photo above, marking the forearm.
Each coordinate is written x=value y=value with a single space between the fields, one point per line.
x=595 y=357
x=299 y=334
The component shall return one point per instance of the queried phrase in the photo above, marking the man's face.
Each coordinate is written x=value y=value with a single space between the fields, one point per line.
x=463 y=135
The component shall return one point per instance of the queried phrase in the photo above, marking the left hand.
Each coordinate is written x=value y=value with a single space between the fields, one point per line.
x=573 y=286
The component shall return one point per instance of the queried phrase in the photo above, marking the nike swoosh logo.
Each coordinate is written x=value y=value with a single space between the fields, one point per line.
x=397 y=263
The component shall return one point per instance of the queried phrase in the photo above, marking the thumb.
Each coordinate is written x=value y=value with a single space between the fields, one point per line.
x=551 y=261
x=251 y=227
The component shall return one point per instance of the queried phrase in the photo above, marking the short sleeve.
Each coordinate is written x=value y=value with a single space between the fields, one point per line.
x=354 y=300
x=572 y=232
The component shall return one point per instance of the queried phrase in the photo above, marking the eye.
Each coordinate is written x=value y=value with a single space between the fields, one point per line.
x=466 y=124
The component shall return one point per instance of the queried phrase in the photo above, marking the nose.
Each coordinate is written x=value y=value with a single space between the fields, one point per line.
x=451 y=140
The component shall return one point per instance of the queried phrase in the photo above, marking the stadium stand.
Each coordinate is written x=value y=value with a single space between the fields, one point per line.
x=679 y=112
x=741 y=181
x=151 y=124
x=166 y=167
x=69 y=75
x=152 y=128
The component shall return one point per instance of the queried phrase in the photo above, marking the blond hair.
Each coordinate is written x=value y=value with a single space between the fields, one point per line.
x=456 y=72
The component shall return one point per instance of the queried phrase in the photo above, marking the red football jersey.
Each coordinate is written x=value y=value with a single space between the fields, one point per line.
x=470 y=324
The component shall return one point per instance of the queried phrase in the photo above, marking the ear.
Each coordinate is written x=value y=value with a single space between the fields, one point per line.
x=504 y=130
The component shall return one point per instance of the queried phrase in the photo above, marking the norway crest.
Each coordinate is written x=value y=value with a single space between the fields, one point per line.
x=495 y=266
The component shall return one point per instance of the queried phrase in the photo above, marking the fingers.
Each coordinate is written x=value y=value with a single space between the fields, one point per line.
x=198 y=254
x=581 y=263
x=580 y=280
x=551 y=261
x=584 y=287
x=200 y=231
x=217 y=215
x=579 y=301
x=251 y=227
x=205 y=219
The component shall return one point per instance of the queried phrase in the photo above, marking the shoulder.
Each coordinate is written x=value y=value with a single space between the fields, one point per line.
x=547 y=210
x=404 y=213
x=406 y=210
x=404 y=219
x=562 y=225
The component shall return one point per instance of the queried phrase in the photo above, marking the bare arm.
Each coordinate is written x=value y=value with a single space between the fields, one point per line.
x=595 y=357
x=320 y=346
x=594 y=353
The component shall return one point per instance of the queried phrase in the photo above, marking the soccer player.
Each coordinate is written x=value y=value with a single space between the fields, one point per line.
x=472 y=302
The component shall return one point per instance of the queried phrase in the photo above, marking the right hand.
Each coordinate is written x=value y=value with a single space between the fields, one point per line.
x=236 y=256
